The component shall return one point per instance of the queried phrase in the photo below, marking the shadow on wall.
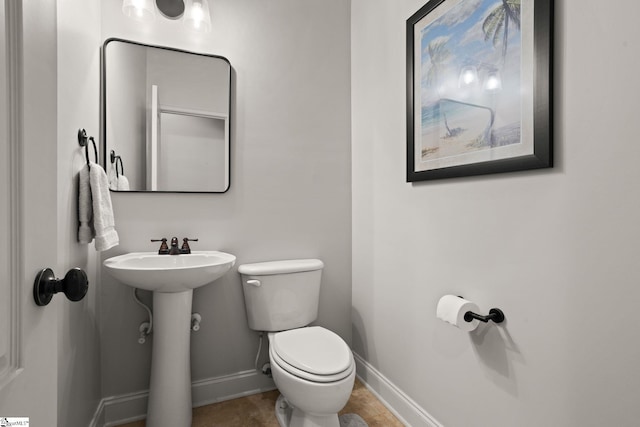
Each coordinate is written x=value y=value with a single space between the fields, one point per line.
x=493 y=345
x=497 y=351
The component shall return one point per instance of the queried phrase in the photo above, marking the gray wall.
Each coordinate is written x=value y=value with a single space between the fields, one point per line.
x=290 y=193
x=555 y=249
x=78 y=86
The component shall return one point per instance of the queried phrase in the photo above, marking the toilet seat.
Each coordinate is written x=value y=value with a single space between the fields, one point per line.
x=312 y=353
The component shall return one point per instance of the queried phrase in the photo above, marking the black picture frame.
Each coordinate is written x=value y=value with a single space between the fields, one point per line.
x=486 y=148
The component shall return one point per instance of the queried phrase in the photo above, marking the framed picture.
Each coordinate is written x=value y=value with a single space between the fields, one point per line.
x=479 y=88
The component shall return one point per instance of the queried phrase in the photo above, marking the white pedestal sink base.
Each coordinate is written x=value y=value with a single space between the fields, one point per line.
x=172 y=279
x=170 y=387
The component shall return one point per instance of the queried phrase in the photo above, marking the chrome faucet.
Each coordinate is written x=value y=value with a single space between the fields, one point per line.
x=174 y=250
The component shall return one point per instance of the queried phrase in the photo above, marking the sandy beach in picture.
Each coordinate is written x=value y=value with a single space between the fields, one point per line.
x=453 y=134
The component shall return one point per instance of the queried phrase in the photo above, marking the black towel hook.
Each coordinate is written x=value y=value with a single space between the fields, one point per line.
x=119 y=160
x=95 y=151
x=116 y=159
x=82 y=137
x=83 y=141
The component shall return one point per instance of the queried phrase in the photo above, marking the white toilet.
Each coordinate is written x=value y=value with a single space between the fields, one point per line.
x=312 y=367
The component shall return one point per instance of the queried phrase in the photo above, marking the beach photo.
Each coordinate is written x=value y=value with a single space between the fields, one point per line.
x=470 y=84
x=470 y=62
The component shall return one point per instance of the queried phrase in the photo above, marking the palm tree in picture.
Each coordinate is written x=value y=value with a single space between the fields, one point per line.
x=496 y=24
x=496 y=28
x=439 y=54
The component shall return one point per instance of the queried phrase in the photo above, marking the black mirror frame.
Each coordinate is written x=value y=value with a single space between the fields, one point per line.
x=103 y=113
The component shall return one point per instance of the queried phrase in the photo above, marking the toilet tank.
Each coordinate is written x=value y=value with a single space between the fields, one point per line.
x=281 y=295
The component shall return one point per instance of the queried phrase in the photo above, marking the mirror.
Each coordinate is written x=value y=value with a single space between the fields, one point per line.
x=165 y=118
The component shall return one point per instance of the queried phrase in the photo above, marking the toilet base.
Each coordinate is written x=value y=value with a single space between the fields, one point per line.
x=290 y=416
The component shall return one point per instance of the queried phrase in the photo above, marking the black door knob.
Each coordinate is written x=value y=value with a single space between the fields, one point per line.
x=74 y=285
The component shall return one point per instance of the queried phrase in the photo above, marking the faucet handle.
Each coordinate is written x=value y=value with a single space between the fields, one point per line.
x=185 y=245
x=164 y=249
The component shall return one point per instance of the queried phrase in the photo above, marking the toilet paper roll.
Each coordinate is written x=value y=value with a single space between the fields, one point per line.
x=452 y=308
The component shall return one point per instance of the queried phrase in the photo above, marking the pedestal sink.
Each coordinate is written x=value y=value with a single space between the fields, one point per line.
x=172 y=278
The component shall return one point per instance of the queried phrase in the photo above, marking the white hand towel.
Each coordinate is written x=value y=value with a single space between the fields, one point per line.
x=123 y=183
x=103 y=221
x=113 y=180
x=85 y=210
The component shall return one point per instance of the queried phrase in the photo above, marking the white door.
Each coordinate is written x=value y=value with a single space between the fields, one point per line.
x=5 y=284
x=28 y=374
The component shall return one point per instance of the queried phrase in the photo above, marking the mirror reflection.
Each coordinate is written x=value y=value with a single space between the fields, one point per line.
x=166 y=119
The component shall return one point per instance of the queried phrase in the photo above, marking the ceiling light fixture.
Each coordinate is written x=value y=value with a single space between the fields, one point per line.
x=194 y=13
x=171 y=9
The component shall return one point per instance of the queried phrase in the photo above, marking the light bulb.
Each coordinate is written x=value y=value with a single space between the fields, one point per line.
x=197 y=15
x=139 y=10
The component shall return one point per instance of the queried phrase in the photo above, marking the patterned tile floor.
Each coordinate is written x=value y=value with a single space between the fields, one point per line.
x=258 y=411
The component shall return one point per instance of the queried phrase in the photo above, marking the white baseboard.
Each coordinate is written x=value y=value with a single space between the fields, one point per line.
x=219 y=389
x=401 y=405
x=126 y=408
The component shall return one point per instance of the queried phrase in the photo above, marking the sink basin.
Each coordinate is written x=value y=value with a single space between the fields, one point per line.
x=169 y=273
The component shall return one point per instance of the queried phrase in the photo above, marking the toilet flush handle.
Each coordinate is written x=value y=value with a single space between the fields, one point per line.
x=253 y=282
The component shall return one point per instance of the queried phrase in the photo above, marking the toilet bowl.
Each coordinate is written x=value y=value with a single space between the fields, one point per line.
x=312 y=367
x=314 y=371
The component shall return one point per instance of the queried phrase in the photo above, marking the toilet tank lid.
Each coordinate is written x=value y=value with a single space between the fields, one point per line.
x=280 y=267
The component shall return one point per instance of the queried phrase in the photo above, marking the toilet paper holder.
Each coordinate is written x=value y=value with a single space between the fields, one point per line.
x=495 y=314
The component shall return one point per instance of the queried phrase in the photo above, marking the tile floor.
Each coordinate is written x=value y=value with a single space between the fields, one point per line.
x=258 y=411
